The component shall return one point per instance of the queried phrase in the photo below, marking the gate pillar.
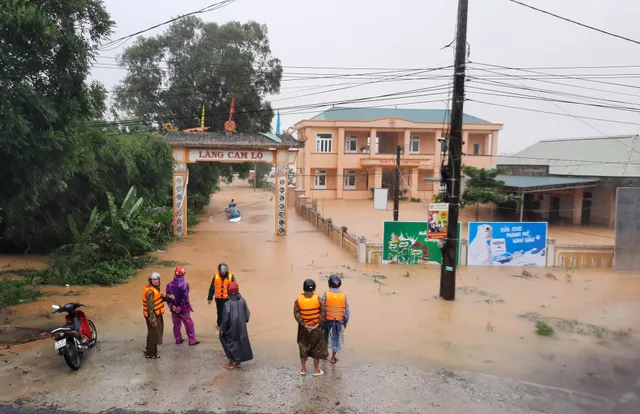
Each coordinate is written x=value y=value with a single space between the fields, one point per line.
x=180 y=181
x=282 y=187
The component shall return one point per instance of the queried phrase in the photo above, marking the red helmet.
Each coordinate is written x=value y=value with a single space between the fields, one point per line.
x=180 y=271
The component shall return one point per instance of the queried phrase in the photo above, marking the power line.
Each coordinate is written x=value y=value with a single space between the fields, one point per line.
x=378 y=68
x=490 y=92
x=114 y=44
x=555 y=75
x=553 y=113
x=575 y=22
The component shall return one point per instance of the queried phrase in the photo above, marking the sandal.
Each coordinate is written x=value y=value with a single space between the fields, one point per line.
x=318 y=374
x=152 y=356
x=195 y=343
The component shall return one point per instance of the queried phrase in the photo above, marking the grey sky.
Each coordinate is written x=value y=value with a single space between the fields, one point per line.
x=411 y=33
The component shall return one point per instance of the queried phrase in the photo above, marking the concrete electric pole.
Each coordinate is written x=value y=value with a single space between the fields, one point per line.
x=449 y=259
x=396 y=195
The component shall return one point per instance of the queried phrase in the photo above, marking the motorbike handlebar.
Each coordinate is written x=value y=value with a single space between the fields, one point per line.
x=64 y=308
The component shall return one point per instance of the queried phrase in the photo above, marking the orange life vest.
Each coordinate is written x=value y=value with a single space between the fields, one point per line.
x=158 y=303
x=309 y=309
x=221 y=285
x=336 y=305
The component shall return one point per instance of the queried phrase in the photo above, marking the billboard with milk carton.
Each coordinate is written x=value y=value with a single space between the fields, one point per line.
x=507 y=244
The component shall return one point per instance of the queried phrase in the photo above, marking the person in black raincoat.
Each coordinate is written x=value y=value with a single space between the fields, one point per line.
x=234 y=336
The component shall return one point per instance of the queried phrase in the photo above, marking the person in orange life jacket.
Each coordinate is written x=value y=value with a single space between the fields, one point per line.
x=219 y=290
x=310 y=313
x=153 y=309
x=338 y=314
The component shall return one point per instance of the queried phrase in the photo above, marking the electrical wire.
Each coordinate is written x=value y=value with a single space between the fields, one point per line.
x=116 y=43
x=553 y=113
x=576 y=22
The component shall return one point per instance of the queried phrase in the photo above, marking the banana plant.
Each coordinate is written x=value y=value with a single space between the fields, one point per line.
x=126 y=231
x=129 y=210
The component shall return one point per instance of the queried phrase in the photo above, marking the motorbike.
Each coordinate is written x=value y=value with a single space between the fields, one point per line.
x=77 y=335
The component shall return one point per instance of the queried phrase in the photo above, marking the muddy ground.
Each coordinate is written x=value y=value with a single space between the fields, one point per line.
x=405 y=351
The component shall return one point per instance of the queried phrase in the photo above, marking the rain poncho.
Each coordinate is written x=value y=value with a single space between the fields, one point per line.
x=180 y=289
x=234 y=212
x=181 y=310
x=234 y=336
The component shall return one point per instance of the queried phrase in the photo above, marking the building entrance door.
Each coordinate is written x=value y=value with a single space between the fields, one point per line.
x=389 y=181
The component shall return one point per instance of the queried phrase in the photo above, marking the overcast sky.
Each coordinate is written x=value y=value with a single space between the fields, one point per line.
x=411 y=34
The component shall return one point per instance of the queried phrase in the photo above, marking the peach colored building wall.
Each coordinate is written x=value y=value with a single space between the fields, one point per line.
x=339 y=146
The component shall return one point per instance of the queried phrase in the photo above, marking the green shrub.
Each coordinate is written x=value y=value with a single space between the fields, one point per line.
x=544 y=329
x=14 y=291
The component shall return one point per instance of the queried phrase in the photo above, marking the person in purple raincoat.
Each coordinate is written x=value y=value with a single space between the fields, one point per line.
x=181 y=307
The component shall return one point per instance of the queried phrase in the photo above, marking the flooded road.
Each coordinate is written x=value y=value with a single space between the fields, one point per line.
x=362 y=220
x=405 y=349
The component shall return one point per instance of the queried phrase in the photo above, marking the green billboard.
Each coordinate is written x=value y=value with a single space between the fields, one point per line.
x=407 y=242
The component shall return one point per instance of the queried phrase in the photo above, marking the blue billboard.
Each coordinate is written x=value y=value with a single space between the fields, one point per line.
x=507 y=244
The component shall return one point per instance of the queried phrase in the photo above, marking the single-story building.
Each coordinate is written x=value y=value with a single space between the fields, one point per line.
x=573 y=180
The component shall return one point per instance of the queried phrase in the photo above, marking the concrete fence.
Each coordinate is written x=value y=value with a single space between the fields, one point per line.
x=558 y=255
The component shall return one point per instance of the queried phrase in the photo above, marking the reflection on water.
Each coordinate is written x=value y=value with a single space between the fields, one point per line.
x=395 y=315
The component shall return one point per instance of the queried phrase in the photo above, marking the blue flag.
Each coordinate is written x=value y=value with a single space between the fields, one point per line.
x=278 y=123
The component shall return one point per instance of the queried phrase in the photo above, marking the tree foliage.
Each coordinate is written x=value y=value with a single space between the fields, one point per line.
x=194 y=63
x=170 y=76
x=46 y=50
x=482 y=187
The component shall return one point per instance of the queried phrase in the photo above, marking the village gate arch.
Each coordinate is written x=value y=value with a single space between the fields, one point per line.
x=191 y=147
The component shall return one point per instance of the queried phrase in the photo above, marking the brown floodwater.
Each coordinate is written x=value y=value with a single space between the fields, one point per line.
x=362 y=220
x=396 y=316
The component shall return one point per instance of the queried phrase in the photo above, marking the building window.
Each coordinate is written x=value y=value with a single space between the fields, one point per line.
x=428 y=176
x=323 y=142
x=350 y=179
x=414 y=144
x=476 y=149
x=351 y=143
x=321 y=179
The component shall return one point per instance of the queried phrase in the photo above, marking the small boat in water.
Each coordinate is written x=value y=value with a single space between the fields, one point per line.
x=233 y=215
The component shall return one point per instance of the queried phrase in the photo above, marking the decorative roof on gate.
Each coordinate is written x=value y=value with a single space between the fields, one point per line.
x=224 y=140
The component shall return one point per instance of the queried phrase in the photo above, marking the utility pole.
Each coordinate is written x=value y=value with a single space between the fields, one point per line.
x=396 y=195
x=448 y=270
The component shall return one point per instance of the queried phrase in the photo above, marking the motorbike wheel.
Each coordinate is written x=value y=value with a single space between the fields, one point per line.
x=73 y=357
x=94 y=334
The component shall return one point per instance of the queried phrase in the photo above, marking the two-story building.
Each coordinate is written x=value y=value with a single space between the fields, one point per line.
x=350 y=151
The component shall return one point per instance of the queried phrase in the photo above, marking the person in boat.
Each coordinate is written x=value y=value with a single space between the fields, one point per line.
x=310 y=313
x=232 y=204
x=234 y=336
x=234 y=212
